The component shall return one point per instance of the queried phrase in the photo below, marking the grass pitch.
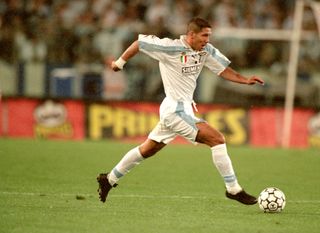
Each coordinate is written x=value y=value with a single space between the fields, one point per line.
x=50 y=186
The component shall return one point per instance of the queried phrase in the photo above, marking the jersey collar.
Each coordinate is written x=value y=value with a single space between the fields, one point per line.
x=183 y=39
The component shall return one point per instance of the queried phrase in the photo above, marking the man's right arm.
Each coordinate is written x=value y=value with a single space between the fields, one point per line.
x=131 y=51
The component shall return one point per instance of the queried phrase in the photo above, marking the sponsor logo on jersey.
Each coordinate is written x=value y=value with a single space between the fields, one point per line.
x=191 y=69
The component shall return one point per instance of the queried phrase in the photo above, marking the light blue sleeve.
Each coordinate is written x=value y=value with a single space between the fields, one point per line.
x=216 y=61
x=158 y=48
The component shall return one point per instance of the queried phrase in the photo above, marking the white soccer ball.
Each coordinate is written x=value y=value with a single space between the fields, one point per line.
x=272 y=200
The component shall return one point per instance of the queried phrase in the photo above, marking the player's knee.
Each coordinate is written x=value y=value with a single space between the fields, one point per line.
x=214 y=140
x=148 y=153
x=148 y=149
x=221 y=140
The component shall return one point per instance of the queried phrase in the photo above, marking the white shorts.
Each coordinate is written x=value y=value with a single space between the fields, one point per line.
x=176 y=118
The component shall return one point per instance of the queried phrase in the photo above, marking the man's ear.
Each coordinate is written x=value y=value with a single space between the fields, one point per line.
x=191 y=34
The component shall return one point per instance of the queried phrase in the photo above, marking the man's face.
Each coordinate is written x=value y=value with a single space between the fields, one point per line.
x=200 y=39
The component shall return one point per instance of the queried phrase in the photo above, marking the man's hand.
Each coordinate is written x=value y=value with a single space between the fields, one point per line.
x=117 y=65
x=110 y=63
x=114 y=66
x=254 y=80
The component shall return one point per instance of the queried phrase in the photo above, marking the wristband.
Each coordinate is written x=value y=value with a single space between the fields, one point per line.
x=120 y=63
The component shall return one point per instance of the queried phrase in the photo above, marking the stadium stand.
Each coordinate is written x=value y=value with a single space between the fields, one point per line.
x=81 y=33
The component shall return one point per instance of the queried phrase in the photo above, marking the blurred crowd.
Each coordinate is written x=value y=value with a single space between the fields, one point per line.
x=72 y=31
x=87 y=31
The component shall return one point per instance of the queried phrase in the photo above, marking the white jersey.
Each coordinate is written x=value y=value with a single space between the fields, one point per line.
x=180 y=65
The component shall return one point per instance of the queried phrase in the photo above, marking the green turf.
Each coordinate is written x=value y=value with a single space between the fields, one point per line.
x=50 y=186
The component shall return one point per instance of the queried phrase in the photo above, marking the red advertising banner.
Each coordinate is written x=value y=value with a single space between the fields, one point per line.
x=43 y=119
x=266 y=127
x=70 y=119
x=20 y=117
x=1 y=118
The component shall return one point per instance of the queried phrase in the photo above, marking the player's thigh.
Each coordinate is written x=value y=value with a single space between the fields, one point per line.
x=184 y=126
x=209 y=135
x=162 y=134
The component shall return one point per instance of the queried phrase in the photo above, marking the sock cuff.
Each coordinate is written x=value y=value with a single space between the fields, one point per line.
x=220 y=147
x=137 y=152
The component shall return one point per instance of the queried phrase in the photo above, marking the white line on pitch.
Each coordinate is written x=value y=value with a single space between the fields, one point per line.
x=132 y=196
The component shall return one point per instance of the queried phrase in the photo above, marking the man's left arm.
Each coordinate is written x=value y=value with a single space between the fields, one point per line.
x=234 y=76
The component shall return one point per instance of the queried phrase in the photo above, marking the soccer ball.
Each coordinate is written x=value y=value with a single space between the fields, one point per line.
x=272 y=200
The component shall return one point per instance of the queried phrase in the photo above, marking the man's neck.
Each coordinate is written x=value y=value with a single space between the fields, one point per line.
x=187 y=41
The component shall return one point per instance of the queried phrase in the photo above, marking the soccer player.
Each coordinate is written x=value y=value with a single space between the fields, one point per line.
x=180 y=62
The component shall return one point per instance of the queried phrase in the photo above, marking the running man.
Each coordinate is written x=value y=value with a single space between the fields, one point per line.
x=180 y=62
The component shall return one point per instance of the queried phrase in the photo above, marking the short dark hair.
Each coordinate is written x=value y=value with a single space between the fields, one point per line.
x=197 y=24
